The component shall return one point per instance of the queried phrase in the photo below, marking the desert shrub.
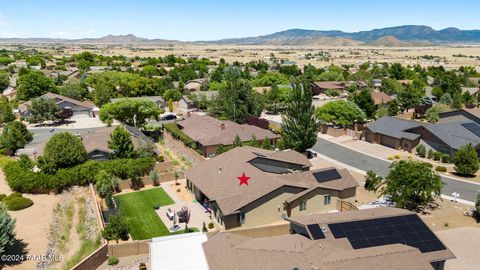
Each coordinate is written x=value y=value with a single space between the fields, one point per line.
x=390 y=157
x=18 y=203
x=2 y=196
x=397 y=156
x=441 y=169
x=211 y=225
x=445 y=158
x=421 y=151
x=437 y=156
x=430 y=153
x=112 y=260
x=160 y=158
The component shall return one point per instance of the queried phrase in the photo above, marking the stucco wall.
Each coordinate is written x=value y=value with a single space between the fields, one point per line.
x=315 y=203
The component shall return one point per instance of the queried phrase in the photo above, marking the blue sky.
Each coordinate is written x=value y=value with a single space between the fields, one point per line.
x=215 y=19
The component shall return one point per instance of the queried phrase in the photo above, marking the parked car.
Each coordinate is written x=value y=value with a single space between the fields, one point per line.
x=169 y=117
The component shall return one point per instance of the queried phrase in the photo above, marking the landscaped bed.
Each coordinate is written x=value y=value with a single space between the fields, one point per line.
x=138 y=209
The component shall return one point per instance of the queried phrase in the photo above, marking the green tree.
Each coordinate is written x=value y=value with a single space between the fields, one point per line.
x=132 y=112
x=154 y=176
x=73 y=89
x=411 y=95
x=64 y=150
x=299 y=124
x=372 y=181
x=7 y=114
x=466 y=160
x=172 y=94
x=273 y=98
x=121 y=143
x=446 y=99
x=382 y=111
x=421 y=150
x=238 y=100
x=237 y=142
x=393 y=107
x=457 y=101
x=34 y=84
x=103 y=93
x=340 y=112
x=170 y=105
x=15 y=135
x=116 y=229
x=432 y=114
x=43 y=109
x=477 y=207
x=398 y=72
x=411 y=184
x=104 y=183
x=364 y=101
x=4 y=80
x=266 y=144
x=7 y=230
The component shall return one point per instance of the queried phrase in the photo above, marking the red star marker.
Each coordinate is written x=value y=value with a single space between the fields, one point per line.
x=243 y=179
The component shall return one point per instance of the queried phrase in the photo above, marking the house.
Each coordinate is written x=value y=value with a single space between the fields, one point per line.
x=280 y=185
x=446 y=137
x=380 y=98
x=96 y=142
x=187 y=103
x=156 y=99
x=462 y=115
x=194 y=85
x=322 y=86
x=374 y=239
x=209 y=133
x=79 y=108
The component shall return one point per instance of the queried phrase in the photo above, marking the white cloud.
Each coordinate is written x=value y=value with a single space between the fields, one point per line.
x=5 y=27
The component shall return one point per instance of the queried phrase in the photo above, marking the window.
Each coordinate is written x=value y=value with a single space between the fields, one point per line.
x=303 y=205
x=327 y=199
x=241 y=218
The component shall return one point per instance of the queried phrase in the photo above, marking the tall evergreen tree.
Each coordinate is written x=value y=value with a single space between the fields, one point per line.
x=466 y=160
x=7 y=114
x=121 y=143
x=7 y=230
x=299 y=127
x=15 y=135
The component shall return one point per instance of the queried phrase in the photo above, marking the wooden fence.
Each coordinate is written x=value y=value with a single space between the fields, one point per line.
x=180 y=148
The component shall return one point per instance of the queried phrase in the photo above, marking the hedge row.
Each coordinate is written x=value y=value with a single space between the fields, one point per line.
x=26 y=181
x=173 y=129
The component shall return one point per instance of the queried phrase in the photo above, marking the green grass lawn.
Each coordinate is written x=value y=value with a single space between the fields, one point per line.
x=137 y=207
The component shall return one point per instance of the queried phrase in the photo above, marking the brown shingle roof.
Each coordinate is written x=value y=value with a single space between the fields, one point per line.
x=330 y=85
x=208 y=131
x=59 y=99
x=217 y=177
x=381 y=98
x=235 y=252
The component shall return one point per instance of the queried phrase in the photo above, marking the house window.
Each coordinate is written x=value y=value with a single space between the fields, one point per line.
x=303 y=205
x=241 y=218
x=327 y=199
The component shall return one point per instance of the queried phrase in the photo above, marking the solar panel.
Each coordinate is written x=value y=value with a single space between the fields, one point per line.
x=316 y=231
x=409 y=230
x=327 y=175
x=472 y=127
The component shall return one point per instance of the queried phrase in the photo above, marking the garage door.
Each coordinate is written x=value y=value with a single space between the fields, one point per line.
x=388 y=141
x=81 y=114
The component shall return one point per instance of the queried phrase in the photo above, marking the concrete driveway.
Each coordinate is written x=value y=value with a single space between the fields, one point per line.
x=468 y=191
x=464 y=242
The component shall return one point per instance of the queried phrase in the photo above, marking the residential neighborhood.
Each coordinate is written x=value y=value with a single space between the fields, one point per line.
x=207 y=143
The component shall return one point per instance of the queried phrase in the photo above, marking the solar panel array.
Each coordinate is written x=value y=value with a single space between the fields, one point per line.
x=409 y=230
x=316 y=231
x=327 y=175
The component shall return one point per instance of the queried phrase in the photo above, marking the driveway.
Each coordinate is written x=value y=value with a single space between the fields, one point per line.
x=468 y=191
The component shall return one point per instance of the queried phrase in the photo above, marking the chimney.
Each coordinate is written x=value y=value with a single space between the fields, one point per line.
x=222 y=126
x=188 y=114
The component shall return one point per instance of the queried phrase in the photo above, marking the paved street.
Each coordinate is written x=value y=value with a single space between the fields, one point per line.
x=468 y=191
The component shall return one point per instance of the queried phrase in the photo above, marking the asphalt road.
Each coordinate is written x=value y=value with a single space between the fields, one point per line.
x=467 y=191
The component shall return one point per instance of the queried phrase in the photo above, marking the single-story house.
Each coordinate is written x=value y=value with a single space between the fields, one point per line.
x=445 y=137
x=194 y=85
x=209 y=132
x=96 y=142
x=79 y=108
x=156 y=99
x=280 y=185
x=373 y=239
x=187 y=103
x=322 y=86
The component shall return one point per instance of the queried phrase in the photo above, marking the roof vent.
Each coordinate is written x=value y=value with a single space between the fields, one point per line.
x=222 y=125
x=219 y=170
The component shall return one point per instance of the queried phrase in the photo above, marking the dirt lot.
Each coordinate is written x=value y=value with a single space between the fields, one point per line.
x=33 y=223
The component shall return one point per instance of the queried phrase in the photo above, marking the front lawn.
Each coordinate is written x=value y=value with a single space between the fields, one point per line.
x=137 y=207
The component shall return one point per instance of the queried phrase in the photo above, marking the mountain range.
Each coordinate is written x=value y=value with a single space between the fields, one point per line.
x=406 y=35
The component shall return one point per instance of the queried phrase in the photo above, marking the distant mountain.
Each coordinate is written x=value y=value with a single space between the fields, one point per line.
x=407 y=35
x=110 y=39
x=392 y=36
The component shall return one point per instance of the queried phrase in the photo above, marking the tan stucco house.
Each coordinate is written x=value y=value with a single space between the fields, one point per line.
x=281 y=185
